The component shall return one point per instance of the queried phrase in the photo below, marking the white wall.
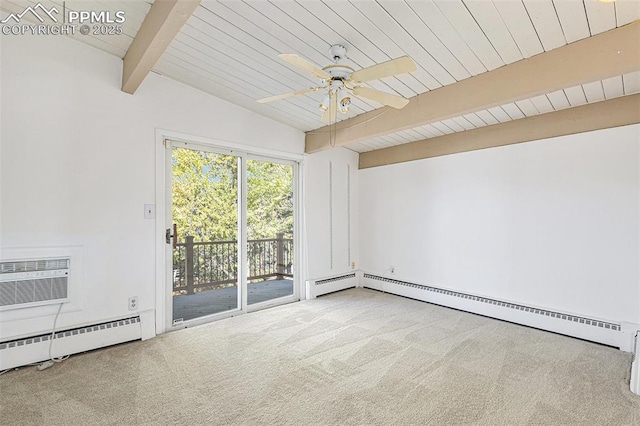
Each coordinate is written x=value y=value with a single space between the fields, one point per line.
x=78 y=165
x=551 y=223
x=333 y=240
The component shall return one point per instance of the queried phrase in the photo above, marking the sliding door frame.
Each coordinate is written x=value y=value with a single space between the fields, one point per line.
x=163 y=212
x=297 y=278
x=240 y=228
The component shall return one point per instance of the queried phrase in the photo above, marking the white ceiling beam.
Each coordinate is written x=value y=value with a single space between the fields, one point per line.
x=600 y=115
x=160 y=26
x=605 y=55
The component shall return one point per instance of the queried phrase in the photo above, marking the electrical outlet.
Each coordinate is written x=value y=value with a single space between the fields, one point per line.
x=353 y=265
x=133 y=303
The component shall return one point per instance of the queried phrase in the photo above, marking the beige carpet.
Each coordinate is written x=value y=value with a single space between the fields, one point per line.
x=354 y=357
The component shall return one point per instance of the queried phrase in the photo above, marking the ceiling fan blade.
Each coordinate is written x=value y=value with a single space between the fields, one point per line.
x=397 y=66
x=394 y=101
x=331 y=113
x=287 y=95
x=304 y=65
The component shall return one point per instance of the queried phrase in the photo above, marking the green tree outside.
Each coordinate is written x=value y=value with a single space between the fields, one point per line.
x=269 y=199
x=205 y=197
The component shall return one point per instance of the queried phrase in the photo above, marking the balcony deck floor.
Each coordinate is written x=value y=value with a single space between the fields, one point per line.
x=209 y=302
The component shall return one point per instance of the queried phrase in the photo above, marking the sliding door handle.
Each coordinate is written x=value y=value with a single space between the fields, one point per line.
x=168 y=236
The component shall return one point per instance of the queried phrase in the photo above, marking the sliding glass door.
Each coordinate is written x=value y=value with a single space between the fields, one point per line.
x=205 y=216
x=228 y=209
x=270 y=227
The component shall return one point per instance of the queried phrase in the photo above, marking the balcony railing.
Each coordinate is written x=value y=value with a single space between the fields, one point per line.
x=200 y=266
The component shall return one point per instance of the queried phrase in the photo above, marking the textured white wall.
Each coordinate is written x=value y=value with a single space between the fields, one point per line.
x=551 y=223
x=78 y=166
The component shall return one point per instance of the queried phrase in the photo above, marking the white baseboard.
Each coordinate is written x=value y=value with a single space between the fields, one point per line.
x=29 y=350
x=635 y=377
x=635 y=365
x=628 y=339
x=607 y=332
x=147 y=324
x=319 y=287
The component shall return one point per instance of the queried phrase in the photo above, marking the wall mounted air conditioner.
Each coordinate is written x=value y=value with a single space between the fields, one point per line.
x=27 y=283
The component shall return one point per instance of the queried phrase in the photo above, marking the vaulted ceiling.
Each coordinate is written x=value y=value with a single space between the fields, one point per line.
x=229 y=49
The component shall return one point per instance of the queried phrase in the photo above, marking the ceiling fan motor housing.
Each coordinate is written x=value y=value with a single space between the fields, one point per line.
x=338 y=53
x=338 y=71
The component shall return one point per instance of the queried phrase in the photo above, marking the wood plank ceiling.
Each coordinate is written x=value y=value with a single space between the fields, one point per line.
x=229 y=49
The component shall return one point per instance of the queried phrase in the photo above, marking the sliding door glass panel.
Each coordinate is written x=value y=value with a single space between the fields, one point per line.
x=205 y=216
x=270 y=225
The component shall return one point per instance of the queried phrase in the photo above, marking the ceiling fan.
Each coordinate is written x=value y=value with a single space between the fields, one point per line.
x=341 y=81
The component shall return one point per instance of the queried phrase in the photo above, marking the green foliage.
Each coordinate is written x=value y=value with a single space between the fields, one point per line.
x=269 y=199
x=205 y=196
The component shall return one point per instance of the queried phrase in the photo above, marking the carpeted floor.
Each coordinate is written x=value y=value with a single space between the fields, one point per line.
x=354 y=357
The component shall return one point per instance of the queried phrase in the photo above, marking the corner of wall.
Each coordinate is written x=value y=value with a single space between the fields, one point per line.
x=634 y=384
x=635 y=376
x=630 y=343
x=308 y=288
x=629 y=332
x=148 y=324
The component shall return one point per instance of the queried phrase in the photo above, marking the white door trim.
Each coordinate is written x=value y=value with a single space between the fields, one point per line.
x=227 y=145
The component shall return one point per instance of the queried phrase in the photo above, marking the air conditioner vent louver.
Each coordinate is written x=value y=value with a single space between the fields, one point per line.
x=33 y=265
x=25 y=283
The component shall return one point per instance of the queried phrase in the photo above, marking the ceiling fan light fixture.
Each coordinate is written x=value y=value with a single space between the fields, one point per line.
x=324 y=104
x=344 y=105
x=344 y=101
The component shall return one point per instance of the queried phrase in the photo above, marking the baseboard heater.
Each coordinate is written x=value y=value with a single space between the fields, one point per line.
x=605 y=332
x=324 y=286
x=33 y=349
